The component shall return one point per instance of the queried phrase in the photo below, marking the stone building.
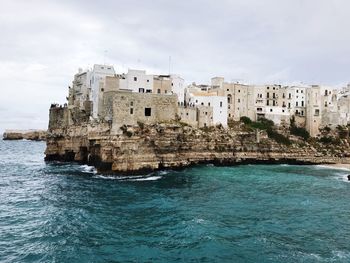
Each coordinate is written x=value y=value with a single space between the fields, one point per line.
x=196 y=116
x=131 y=108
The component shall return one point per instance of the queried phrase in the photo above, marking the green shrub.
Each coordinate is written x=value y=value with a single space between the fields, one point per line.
x=279 y=138
x=329 y=140
x=141 y=125
x=262 y=124
x=301 y=132
x=246 y=120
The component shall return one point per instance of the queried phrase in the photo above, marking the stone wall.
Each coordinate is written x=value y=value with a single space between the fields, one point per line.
x=188 y=115
x=131 y=108
x=205 y=116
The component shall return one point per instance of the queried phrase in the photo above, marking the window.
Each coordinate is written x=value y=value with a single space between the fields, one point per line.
x=297 y=91
x=148 y=80
x=239 y=91
x=273 y=103
x=135 y=78
x=317 y=112
x=148 y=91
x=302 y=113
x=131 y=111
x=141 y=90
x=131 y=103
x=220 y=103
x=296 y=104
x=159 y=92
x=172 y=84
x=289 y=105
x=270 y=110
x=227 y=89
x=165 y=91
x=282 y=110
x=239 y=100
x=206 y=113
x=202 y=103
x=268 y=87
x=267 y=103
x=289 y=96
x=302 y=103
x=268 y=95
x=102 y=89
x=208 y=103
x=147 y=111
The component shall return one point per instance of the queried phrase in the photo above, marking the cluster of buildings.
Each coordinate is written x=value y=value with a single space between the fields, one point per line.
x=137 y=97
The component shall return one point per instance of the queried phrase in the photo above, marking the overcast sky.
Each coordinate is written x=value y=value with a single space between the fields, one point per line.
x=43 y=43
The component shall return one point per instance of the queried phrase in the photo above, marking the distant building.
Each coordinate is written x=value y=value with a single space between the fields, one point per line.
x=100 y=93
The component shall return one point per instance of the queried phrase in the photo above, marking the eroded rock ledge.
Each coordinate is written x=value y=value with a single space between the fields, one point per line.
x=33 y=135
x=173 y=145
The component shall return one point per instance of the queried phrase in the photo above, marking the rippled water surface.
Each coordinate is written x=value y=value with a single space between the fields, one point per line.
x=68 y=213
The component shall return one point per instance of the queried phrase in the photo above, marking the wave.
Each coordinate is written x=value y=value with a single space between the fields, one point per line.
x=88 y=169
x=330 y=167
x=151 y=178
x=129 y=178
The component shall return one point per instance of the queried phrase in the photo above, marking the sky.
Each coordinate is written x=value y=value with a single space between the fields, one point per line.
x=43 y=43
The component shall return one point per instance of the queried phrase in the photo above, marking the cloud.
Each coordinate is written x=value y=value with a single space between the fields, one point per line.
x=43 y=43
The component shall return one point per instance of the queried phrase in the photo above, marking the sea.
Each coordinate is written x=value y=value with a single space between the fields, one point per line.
x=67 y=212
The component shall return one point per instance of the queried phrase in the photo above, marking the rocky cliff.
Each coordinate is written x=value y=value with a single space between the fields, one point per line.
x=34 y=135
x=143 y=148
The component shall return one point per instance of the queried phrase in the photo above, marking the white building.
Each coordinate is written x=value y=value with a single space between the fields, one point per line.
x=137 y=81
x=97 y=79
x=178 y=87
x=196 y=97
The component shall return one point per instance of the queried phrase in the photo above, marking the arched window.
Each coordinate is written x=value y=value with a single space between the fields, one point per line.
x=229 y=99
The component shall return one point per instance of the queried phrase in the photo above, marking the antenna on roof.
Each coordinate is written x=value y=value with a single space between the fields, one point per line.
x=169 y=64
x=104 y=56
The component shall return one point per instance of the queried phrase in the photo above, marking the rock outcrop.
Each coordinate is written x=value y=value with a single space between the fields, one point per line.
x=160 y=146
x=142 y=148
x=33 y=135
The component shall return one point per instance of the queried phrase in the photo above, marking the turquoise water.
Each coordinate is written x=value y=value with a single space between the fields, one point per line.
x=68 y=213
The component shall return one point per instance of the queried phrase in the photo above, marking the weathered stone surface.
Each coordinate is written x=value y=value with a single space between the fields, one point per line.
x=34 y=135
x=169 y=146
x=140 y=148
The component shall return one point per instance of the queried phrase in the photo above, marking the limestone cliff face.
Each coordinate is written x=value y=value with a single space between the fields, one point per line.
x=150 y=147
x=34 y=135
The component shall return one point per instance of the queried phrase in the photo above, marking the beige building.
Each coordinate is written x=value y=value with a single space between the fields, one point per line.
x=131 y=108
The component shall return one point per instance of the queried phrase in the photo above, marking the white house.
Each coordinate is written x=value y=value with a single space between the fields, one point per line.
x=203 y=98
